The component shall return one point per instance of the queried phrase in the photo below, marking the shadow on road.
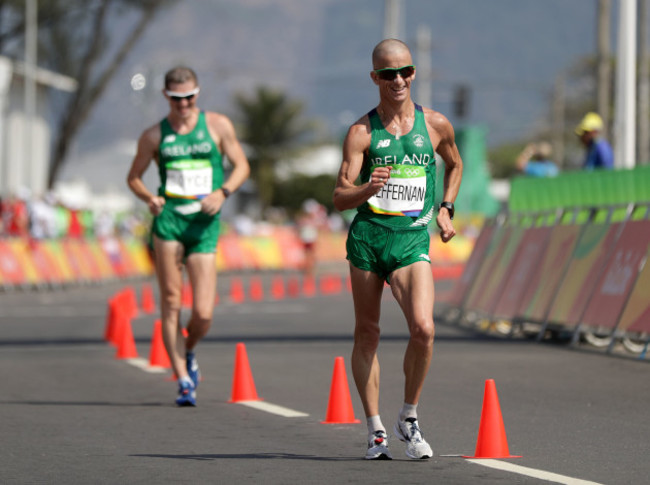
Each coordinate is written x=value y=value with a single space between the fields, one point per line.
x=249 y=456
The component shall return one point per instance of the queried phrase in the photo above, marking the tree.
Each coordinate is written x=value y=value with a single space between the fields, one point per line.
x=87 y=52
x=274 y=128
x=291 y=194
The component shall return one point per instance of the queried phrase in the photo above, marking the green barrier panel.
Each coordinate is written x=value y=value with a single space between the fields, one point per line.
x=474 y=196
x=580 y=189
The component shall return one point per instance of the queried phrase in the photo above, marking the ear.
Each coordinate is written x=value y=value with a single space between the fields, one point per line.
x=374 y=77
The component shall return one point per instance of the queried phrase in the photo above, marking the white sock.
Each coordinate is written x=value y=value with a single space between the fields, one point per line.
x=408 y=411
x=187 y=380
x=374 y=424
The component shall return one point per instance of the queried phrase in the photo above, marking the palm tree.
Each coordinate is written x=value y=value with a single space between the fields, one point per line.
x=274 y=128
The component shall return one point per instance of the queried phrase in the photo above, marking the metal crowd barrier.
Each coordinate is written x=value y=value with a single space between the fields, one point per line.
x=578 y=274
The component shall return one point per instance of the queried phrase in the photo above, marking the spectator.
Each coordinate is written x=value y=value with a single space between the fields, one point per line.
x=308 y=222
x=535 y=160
x=42 y=217
x=18 y=216
x=599 y=151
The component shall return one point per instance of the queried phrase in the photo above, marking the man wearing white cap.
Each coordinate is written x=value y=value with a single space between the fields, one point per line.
x=599 y=151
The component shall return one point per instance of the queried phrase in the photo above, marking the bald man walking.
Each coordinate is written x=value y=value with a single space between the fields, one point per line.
x=392 y=151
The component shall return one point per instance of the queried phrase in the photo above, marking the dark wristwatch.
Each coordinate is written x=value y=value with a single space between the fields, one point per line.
x=450 y=208
x=226 y=192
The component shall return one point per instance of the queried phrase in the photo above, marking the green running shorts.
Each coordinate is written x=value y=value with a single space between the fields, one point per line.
x=375 y=248
x=198 y=233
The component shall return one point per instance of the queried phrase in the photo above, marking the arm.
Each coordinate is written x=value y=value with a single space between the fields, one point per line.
x=146 y=152
x=605 y=154
x=224 y=134
x=347 y=195
x=524 y=157
x=448 y=150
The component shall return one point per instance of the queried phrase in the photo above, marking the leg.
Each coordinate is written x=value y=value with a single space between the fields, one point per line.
x=202 y=271
x=169 y=270
x=413 y=289
x=367 y=289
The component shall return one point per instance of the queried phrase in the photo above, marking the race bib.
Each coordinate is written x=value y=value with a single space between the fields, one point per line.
x=403 y=194
x=189 y=179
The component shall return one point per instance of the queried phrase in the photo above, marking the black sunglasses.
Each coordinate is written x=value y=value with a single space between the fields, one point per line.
x=189 y=97
x=390 y=73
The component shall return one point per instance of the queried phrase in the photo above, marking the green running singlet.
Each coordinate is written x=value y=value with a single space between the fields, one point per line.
x=190 y=167
x=406 y=202
x=389 y=230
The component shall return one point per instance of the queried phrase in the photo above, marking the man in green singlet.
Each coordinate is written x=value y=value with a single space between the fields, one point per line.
x=392 y=152
x=188 y=146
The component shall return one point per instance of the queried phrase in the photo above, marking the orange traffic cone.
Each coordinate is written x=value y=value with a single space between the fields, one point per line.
x=236 y=290
x=256 y=289
x=277 y=288
x=119 y=315
x=111 y=321
x=158 y=356
x=308 y=286
x=148 y=304
x=339 y=408
x=186 y=295
x=130 y=302
x=126 y=348
x=492 y=441
x=243 y=386
x=330 y=284
x=293 y=287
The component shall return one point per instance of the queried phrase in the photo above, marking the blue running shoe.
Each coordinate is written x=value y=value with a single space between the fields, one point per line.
x=193 y=368
x=186 y=394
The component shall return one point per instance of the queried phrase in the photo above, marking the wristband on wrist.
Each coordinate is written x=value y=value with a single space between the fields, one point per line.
x=226 y=192
x=450 y=208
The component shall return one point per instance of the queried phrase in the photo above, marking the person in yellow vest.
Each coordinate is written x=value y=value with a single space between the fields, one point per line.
x=188 y=146
x=392 y=151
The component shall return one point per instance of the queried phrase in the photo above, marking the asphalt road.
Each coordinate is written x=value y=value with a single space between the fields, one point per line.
x=73 y=413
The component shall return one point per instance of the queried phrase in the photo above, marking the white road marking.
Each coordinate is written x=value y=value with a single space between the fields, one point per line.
x=273 y=409
x=268 y=407
x=531 y=472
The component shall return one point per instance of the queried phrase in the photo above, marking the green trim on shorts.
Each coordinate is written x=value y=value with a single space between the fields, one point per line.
x=380 y=250
x=198 y=233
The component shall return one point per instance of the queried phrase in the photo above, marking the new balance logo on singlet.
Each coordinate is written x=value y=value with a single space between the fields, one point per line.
x=383 y=143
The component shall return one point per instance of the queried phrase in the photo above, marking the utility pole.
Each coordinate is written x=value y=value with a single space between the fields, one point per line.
x=643 y=102
x=423 y=60
x=624 y=121
x=33 y=178
x=558 y=125
x=604 y=55
x=392 y=19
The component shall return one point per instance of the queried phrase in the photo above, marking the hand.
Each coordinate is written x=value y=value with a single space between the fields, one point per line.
x=447 y=230
x=379 y=177
x=156 y=204
x=211 y=203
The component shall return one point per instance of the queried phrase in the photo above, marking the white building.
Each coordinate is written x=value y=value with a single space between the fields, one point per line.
x=25 y=141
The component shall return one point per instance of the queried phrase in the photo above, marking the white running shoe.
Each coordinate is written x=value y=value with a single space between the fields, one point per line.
x=378 y=447
x=409 y=432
